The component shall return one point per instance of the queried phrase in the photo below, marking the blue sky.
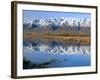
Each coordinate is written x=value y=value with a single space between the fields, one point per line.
x=29 y=15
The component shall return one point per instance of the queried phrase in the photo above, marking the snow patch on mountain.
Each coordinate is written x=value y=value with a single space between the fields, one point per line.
x=55 y=23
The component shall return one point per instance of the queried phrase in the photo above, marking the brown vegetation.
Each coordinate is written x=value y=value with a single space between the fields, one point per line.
x=77 y=38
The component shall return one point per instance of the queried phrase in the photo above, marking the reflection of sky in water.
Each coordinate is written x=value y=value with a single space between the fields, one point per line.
x=63 y=54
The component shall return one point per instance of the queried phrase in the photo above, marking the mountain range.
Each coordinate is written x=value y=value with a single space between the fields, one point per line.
x=56 y=24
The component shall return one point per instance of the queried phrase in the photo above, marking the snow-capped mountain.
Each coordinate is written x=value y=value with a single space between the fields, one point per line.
x=56 y=23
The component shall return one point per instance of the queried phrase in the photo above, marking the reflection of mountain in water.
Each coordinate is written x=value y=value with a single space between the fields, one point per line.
x=54 y=47
x=41 y=53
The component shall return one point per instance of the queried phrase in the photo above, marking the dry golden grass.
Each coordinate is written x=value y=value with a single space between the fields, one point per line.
x=75 y=38
x=70 y=38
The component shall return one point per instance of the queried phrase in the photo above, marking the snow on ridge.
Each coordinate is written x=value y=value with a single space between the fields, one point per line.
x=82 y=22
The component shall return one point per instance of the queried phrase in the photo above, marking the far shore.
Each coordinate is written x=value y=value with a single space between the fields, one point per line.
x=75 y=38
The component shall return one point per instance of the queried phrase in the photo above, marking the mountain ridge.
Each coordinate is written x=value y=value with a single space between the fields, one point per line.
x=55 y=24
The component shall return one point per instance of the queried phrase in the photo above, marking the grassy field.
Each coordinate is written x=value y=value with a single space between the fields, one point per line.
x=77 y=38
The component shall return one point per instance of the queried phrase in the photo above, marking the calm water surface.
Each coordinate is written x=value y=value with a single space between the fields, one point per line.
x=53 y=53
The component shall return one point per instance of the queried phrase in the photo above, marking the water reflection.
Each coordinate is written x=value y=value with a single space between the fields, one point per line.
x=40 y=53
x=54 y=47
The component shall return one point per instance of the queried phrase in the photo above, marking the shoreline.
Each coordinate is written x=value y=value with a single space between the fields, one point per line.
x=74 y=39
